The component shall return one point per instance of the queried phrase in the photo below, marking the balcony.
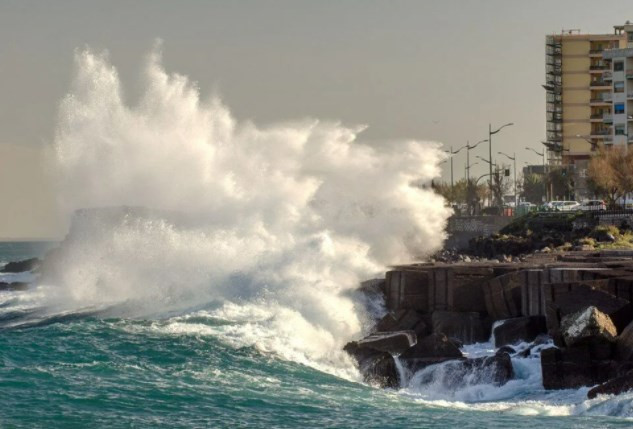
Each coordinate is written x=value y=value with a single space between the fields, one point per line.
x=597 y=67
x=629 y=74
x=599 y=83
x=595 y=52
x=607 y=75
x=629 y=96
x=607 y=118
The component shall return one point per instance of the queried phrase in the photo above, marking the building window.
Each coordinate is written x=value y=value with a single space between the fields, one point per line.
x=618 y=66
x=618 y=87
x=618 y=108
x=619 y=130
x=630 y=37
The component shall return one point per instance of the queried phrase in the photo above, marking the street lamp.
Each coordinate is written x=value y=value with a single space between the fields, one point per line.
x=453 y=153
x=490 y=133
x=468 y=149
x=514 y=159
x=544 y=172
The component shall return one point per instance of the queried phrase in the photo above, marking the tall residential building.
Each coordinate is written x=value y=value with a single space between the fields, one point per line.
x=580 y=90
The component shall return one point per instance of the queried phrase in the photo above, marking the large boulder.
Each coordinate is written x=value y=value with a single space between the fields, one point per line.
x=390 y=342
x=404 y=320
x=432 y=349
x=563 y=299
x=468 y=328
x=376 y=367
x=624 y=344
x=515 y=330
x=574 y=367
x=4 y=286
x=458 y=373
x=21 y=266
x=614 y=386
x=587 y=324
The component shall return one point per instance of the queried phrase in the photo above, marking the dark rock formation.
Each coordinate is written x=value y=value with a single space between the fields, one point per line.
x=432 y=349
x=404 y=320
x=615 y=386
x=21 y=266
x=458 y=373
x=518 y=329
x=4 y=286
x=578 y=366
x=376 y=367
x=624 y=344
x=390 y=342
x=468 y=328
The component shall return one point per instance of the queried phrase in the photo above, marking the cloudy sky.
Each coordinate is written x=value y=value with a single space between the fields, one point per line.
x=427 y=70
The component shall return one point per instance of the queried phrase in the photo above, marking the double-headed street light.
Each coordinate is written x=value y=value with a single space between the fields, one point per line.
x=514 y=159
x=451 y=154
x=490 y=133
x=468 y=149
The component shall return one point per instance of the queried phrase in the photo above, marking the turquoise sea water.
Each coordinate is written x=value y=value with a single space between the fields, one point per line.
x=83 y=369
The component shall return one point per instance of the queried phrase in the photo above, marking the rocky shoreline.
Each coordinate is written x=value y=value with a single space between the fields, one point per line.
x=573 y=308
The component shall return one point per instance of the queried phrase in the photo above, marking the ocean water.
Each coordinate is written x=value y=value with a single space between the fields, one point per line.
x=83 y=368
x=209 y=275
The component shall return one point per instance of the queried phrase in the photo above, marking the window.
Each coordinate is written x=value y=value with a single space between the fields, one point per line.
x=619 y=108
x=618 y=87
x=619 y=130
x=630 y=37
x=618 y=66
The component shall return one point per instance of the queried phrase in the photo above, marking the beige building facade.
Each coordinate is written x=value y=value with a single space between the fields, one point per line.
x=580 y=90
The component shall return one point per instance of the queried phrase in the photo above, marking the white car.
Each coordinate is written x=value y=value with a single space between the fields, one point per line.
x=592 y=205
x=563 y=206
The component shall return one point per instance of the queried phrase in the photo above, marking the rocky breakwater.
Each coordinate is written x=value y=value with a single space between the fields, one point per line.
x=575 y=306
x=10 y=269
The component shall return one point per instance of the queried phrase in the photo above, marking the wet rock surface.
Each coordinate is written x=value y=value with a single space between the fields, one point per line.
x=512 y=331
x=21 y=266
x=580 y=300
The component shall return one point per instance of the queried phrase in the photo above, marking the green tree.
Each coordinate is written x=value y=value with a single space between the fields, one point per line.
x=533 y=188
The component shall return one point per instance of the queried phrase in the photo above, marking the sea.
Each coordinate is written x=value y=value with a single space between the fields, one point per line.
x=86 y=369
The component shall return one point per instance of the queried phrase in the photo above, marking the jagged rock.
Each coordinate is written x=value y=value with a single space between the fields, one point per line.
x=404 y=320
x=432 y=346
x=390 y=342
x=466 y=327
x=463 y=372
x=519 y=329
x=505 y=349
x=563 y=299
x=4 y=286
x=614 y=386
x=585 y=324
x=376 y=367
x=432 y=349
x=21 y=266
x=577 y=366
x=624 y=344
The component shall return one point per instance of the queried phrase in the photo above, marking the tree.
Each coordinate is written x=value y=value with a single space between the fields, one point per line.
x=534 y=188
x=610 y=174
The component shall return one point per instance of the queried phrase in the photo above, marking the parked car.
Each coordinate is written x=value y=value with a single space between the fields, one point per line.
x=591 y=205
x=562 y=206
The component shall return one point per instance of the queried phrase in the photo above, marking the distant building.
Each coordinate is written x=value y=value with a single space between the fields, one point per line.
x=588 y=80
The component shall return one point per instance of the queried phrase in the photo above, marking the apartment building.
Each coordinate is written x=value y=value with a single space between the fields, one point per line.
x=580 y=86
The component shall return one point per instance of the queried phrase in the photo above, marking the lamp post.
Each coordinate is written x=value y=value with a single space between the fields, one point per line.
x=453 y=153
x=468 y=149
x=514 y=160
x=490 y=133
x=544 y=172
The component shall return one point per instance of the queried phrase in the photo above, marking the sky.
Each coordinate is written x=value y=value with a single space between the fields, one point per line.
x=424 y=70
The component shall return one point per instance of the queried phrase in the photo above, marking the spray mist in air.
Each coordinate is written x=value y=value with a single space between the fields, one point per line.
x=269 y=226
